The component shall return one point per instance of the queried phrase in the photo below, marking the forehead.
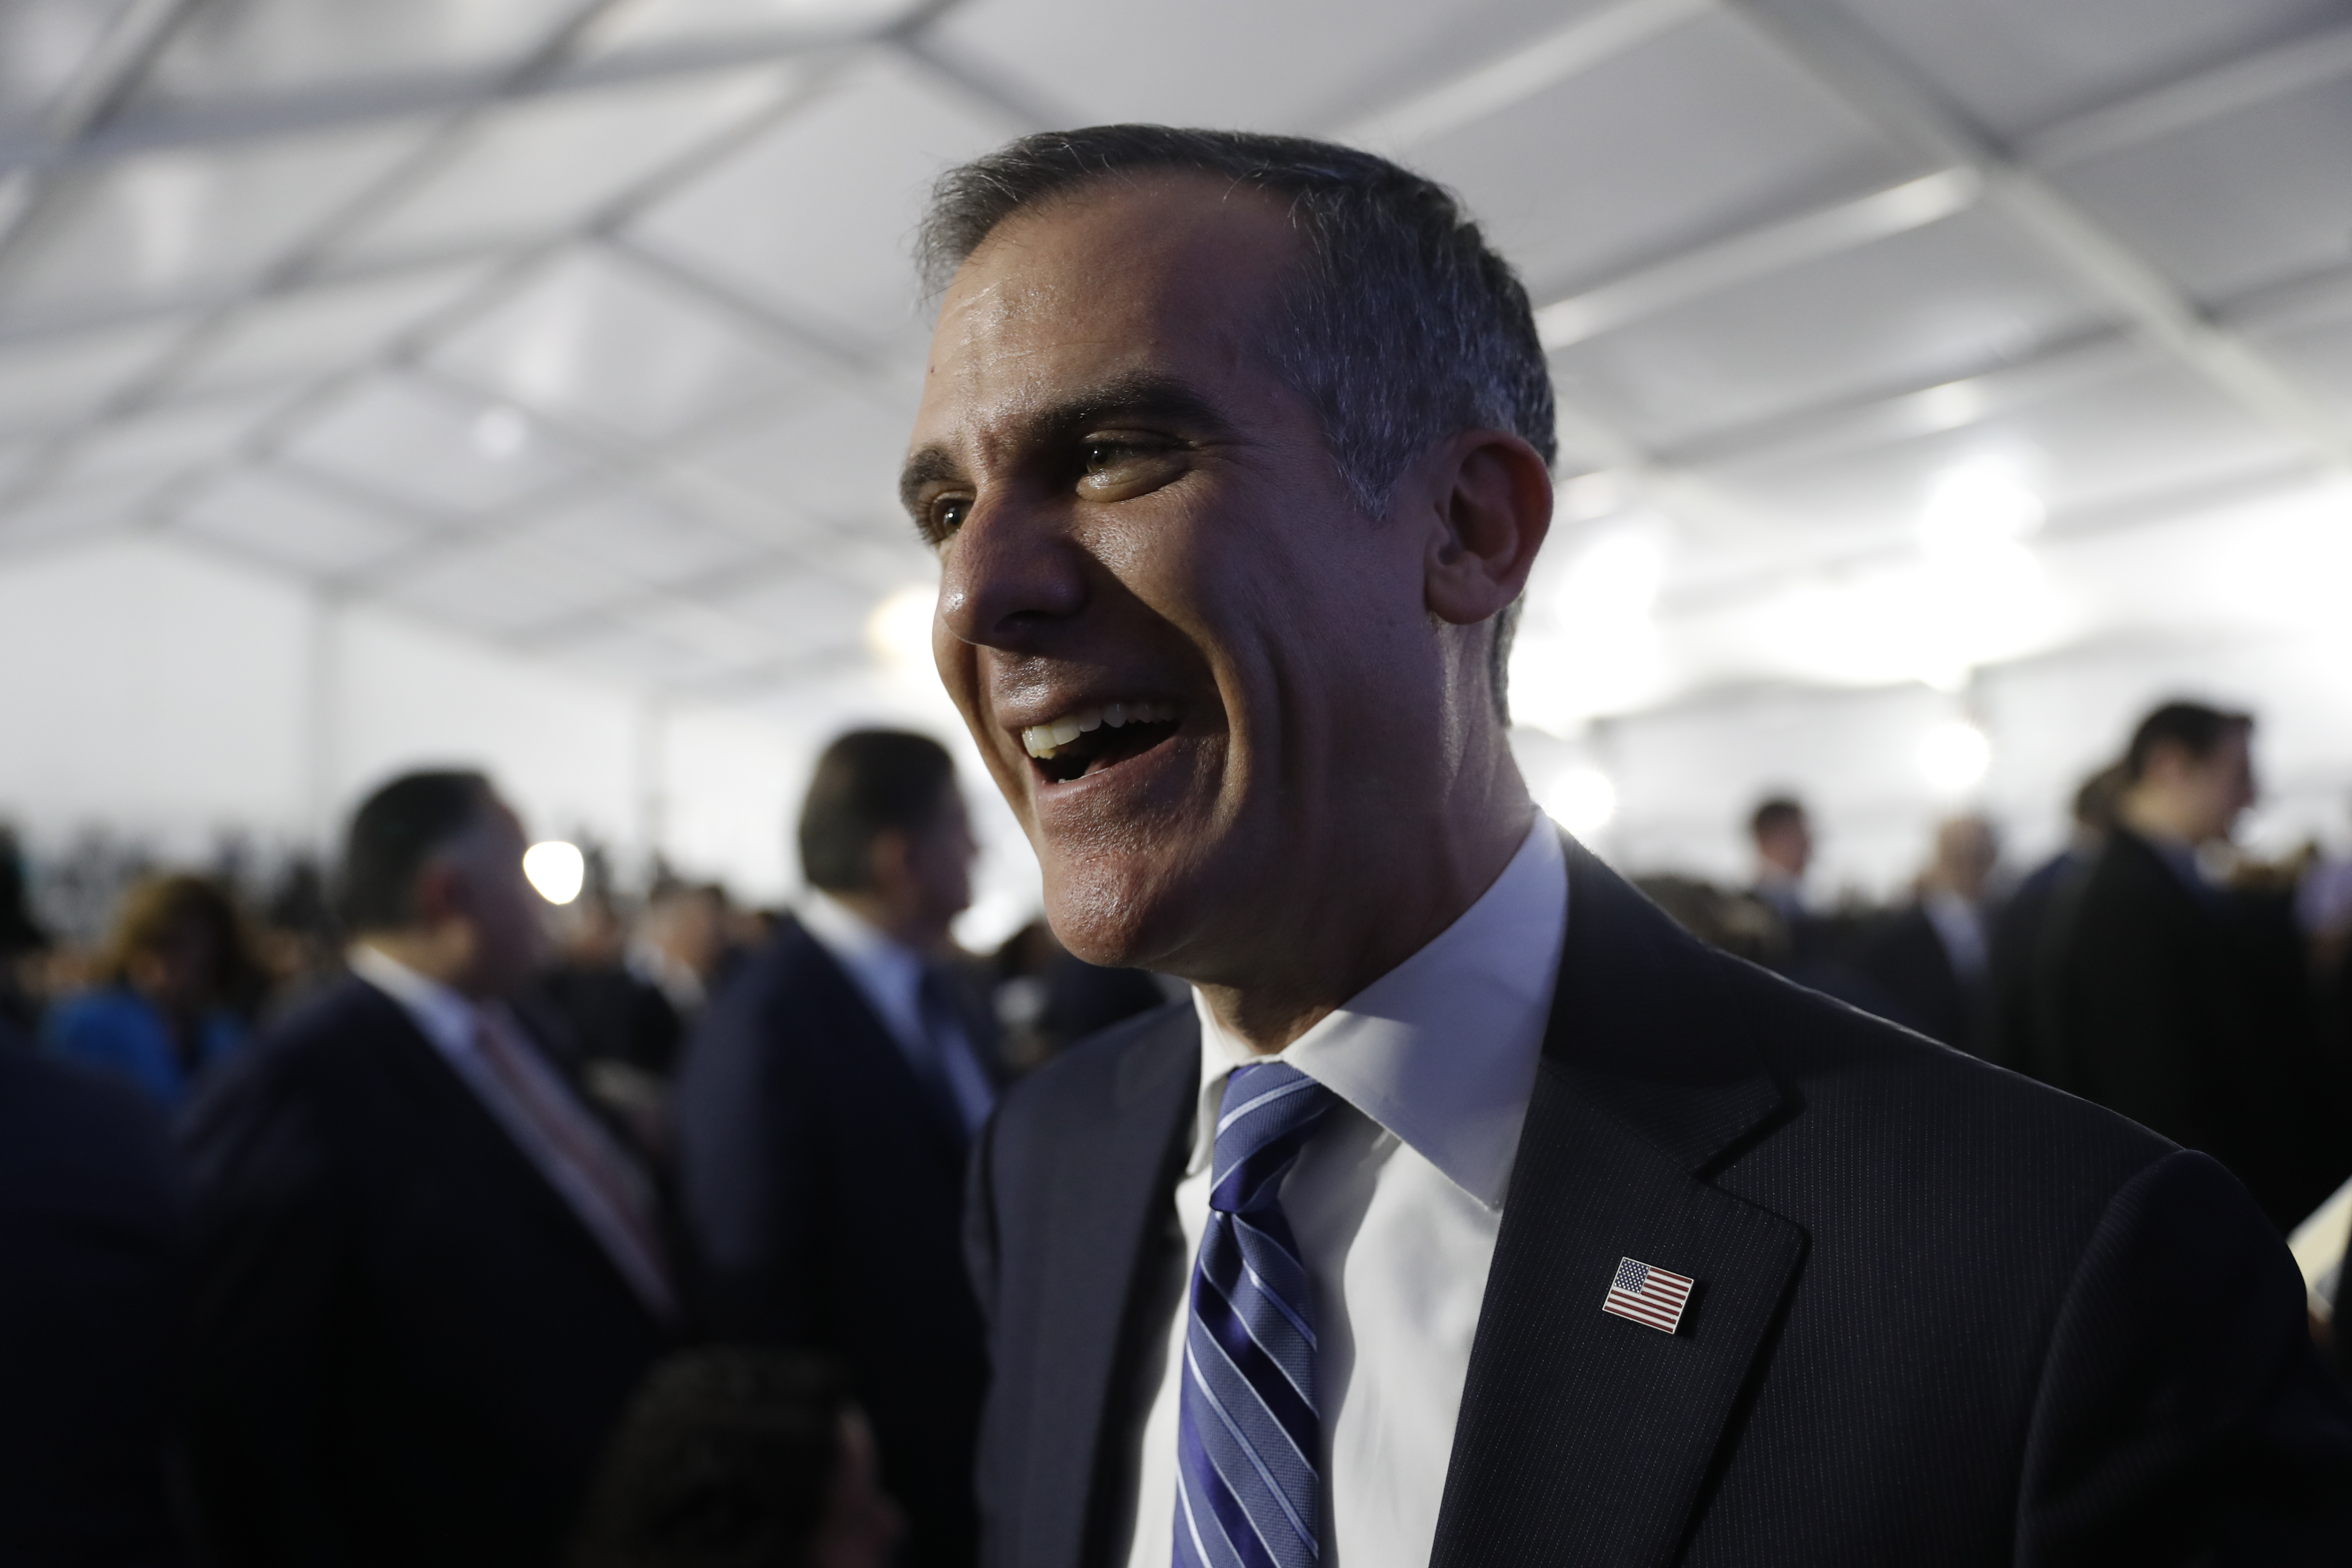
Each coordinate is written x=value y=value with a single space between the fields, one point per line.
x=1157 y=273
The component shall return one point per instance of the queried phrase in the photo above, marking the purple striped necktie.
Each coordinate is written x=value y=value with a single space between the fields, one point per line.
x=1249 y=1434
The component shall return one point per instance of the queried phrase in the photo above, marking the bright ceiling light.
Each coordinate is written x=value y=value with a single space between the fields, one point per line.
x=556 y=868
x=1582 y=800
x=1954 y=756
x=1975 y=507
x=500 y=432
x=899 y=629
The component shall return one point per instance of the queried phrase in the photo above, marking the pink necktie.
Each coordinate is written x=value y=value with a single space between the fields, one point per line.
x=568 y=1130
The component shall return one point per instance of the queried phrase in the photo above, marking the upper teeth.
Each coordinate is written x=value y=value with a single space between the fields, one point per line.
x=1045 y=740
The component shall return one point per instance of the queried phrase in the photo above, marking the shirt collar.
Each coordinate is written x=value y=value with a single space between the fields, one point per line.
x=448 y=1018
x=1441 y=1050
x=851 y=936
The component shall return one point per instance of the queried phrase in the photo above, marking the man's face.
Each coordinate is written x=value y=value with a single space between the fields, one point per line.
x=938 y=862
x=506 y=913
x=1787 y=846
x=1154 y=576
x=2218 y=788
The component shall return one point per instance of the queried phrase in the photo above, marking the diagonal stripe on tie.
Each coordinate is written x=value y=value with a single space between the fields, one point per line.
x=1249 y=1436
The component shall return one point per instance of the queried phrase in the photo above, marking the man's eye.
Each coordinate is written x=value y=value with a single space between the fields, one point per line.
x=1103 y=455
x=947 y=515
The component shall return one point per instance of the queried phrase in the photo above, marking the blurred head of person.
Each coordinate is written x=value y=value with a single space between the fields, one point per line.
x=884 y=830
x=739 y=1457
x=1967 y=849
x=687 y=923
x=1235 y=452
x=432 y=876
x=180 y=942
x=2189 y=774
x=2097 y=800
x=1783 y=836
x=589 y=932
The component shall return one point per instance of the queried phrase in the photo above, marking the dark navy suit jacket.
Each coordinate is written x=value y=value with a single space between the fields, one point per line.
x=407 y=1346
x=92 y=1284
x=825 y=1191
x=1943 y=1316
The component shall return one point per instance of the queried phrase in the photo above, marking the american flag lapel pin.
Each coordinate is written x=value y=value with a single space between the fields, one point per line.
x=1647 y=1295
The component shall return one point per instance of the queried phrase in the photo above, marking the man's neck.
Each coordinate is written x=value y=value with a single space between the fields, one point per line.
x=909 y=930
x=1411 y=906
x=433 y=955
x=2154 y=816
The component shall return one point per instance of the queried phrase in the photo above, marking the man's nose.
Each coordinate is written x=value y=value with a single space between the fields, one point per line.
x=1011 y=574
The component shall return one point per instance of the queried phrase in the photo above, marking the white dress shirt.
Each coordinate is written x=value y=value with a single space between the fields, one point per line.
x=452 y=1024
x=890 y=975
x=1395 y=1205
x=1959 y=926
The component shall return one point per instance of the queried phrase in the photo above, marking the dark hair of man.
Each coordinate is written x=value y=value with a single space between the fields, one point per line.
x=869 y=783
x=1779 y=813
x=396 y=831
x=1403 y=328
x=2192 y=726
x=724 y=1459
x=2101 y=797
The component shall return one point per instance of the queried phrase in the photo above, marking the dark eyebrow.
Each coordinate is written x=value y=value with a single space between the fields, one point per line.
x=1142 y=394
x=922 y=468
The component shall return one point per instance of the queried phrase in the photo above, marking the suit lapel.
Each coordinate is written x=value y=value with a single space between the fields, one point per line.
x=1584 y=1437
x=448 y=1102
x=1114 y=1170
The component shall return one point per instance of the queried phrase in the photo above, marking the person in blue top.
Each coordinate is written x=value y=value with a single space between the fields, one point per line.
x=175 y=988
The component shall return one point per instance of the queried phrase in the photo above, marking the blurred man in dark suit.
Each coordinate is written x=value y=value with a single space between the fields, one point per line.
x=1782 y=833
x=2160 y=994
x=1474 y=1216
x=825 y=1107
x=2017 y=930
x=1932 y=960
x=427 y=1274
x=92 y=1286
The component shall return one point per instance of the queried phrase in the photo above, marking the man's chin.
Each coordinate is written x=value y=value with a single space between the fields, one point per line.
x=1120 y=918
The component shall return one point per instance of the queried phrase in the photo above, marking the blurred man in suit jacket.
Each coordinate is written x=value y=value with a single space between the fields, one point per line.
x=93 y=1284
x=1932 y=960
x=1472 y=1213
x=824 y=1109
x=2168 y=998
x=427 y=1274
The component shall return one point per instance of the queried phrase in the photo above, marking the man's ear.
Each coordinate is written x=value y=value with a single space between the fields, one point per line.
x=1489 y=509
x=442 y=893
x=886 y=859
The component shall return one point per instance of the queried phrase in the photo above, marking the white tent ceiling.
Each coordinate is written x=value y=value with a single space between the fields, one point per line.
x=590 y=329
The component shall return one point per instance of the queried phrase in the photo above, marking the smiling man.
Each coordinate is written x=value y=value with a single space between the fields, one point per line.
x=1471 y=1214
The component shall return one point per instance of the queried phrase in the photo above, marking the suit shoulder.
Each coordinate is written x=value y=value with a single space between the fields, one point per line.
x=1103 y=1071
x=772 y=991
x=1841 y=1061
x=67 y=1128
x=326 y=1040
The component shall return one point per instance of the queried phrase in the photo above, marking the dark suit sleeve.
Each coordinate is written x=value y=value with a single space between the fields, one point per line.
x=2184 y=1415
x=747 y=1176
x=267 y=1259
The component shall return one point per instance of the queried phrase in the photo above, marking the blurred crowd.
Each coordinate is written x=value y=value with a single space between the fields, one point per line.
x=2151 y=965
x=399 y=1215
x=396 y=1215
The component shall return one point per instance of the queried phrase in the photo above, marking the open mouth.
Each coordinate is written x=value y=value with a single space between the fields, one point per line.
x=1093 y=738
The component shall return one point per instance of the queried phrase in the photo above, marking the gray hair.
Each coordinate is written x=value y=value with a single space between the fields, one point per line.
x=1403 y=328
